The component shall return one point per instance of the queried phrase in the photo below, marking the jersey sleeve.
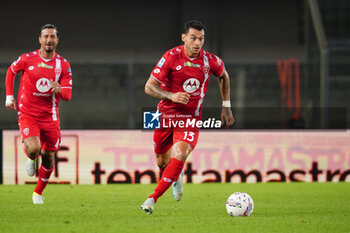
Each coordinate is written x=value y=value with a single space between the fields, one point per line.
x=66 y=82
x=161 y=71
x=217 y=66
x=18 y=65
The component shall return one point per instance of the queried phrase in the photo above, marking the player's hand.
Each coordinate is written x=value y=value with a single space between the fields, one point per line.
x=55 y=87
x=180 y=97
x=10 y=103
x=227 y=117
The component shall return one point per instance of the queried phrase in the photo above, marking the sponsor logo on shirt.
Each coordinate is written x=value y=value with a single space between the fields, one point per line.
x=43 y=65
x=191 y=85
x=156 y=71
x=43 y=85
x=161 y=62
x=190 y=64
x=31 y=68
x=178 y=67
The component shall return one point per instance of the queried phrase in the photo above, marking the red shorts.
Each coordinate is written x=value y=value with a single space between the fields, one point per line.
x=48 y=132
x=164 y=139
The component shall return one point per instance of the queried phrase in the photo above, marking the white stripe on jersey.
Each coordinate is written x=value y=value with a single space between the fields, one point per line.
x=57 y=76
x=13 y=70
x=206 y=75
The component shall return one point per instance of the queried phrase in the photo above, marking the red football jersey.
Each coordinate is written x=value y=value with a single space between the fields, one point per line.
x=35 y=97
x=178 y=73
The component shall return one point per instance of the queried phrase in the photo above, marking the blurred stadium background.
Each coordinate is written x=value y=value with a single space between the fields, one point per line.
x=113 y=45
x=289 y=62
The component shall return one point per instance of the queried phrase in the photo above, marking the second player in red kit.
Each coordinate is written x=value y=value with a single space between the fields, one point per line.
x=180 y=79
x=46 y=79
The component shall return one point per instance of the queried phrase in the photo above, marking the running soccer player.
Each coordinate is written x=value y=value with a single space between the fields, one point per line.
x=46 y=78
x=180 y=80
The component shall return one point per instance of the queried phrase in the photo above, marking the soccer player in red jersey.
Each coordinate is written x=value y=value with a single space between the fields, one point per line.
x=46 y=78
x=180 y=80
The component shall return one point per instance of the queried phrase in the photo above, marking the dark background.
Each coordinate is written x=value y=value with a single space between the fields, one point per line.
x=113 y=46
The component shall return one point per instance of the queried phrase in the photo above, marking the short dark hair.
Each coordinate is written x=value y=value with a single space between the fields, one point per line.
x=51 y=26
x=193 y=24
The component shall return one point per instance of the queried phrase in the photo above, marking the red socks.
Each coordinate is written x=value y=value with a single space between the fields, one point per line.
x=44 y=175
x=170 y=174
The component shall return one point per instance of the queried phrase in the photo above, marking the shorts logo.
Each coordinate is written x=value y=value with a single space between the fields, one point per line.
x=26 y=131
x=191 y=85
x=43 y=85
x=151 y=120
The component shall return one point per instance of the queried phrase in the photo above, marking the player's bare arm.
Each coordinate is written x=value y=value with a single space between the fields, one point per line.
x=153 y=89
x=226 y=113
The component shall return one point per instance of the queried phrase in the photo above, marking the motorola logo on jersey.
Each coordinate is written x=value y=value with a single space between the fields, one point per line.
x=43 y=85
x=191 y=85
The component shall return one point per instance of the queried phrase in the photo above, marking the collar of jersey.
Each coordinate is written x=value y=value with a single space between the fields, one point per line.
x=46 y=60
x=191 y=59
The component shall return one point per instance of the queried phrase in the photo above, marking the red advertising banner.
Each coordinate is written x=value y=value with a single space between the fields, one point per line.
x=126 y=156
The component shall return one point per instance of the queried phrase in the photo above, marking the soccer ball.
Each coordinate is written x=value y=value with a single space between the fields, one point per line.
x=239 y=204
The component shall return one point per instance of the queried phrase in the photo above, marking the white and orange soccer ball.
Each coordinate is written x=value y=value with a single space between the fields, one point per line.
x=239 y=204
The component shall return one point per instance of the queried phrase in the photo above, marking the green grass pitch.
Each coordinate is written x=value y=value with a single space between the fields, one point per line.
x=279 y=207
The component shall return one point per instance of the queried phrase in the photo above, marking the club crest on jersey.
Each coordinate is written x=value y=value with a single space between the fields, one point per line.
x=26 y=131
x=191 y=85
x=190 y=64
x=43 y=85
x=206 y=69
x=43 y=65
x=58 y=71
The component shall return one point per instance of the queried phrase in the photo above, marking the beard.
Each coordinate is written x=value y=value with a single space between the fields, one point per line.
x=49 y=48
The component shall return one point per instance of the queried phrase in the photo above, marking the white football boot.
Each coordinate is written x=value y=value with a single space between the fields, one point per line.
x=31 y=166
x=148 y=206
x=38 y=199
x=177 y=188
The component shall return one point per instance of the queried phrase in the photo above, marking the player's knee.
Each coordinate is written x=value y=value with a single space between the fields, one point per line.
x=32 y=146
x=33 y=150
x=162 y=160
x=181 y=155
